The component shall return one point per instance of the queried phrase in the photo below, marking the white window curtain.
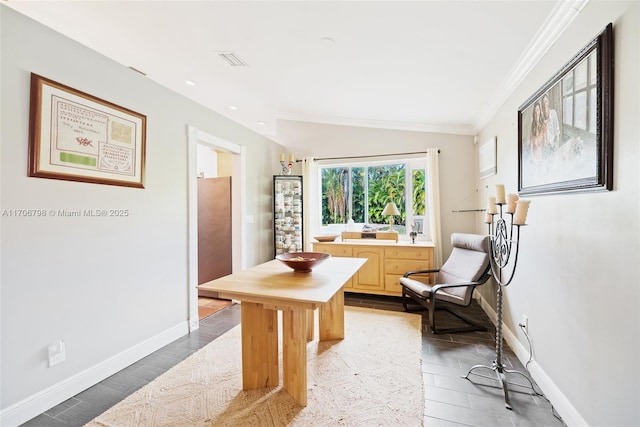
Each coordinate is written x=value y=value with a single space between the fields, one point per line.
x=310 y=208
x=433 y=202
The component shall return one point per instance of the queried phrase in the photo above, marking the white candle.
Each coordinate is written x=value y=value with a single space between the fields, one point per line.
x=500 y=194
x=522 y=208
x=491 y=206
x=290 y=157
x=488 y=219
x=512 y=199
x=282 y=157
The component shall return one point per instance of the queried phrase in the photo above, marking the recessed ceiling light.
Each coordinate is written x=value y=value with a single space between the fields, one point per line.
x=189 y=82
x=261 y=123
x=233 y=107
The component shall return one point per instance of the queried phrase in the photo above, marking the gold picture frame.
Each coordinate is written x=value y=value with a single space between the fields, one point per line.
x=75 y=136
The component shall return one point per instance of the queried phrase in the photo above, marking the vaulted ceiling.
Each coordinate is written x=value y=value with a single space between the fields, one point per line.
x=443 y=66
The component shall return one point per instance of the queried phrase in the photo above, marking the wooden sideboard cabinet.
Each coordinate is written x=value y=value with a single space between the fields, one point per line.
x=386 y=262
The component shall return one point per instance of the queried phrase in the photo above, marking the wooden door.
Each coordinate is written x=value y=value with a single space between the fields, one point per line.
x=214 y=230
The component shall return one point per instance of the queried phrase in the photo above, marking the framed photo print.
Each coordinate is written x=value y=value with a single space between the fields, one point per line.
x=77 y=137
x=565 y=130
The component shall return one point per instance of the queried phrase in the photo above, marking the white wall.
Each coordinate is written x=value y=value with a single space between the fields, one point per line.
x=207 y=160
x=458 y=166
x=108 y=286
x=578 y=276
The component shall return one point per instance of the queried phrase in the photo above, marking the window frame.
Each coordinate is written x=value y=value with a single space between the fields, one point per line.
x=410 y=164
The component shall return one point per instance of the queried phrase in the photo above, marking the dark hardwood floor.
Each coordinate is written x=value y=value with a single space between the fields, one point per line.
x=450 y=400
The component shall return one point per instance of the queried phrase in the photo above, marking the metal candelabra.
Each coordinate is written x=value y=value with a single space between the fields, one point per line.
x=504 y=249
x=286 y=167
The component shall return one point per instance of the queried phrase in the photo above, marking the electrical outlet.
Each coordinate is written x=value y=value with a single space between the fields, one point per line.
x=57 y=353
x=525 y=323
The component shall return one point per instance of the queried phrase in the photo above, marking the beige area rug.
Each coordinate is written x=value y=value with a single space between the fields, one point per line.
x=371 y=378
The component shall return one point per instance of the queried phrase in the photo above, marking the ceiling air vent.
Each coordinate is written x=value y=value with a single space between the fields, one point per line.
x=232 y=59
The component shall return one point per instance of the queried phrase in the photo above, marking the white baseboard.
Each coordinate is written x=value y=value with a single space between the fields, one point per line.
x=570 y=416
x=48 y=398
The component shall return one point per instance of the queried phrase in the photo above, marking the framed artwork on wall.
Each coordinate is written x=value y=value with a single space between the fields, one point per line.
x=487 y=158
x=565 y=130
x=75 y=136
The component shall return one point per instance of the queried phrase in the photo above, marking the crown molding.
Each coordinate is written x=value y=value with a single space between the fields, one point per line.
x=556 y=23
x=378 y=124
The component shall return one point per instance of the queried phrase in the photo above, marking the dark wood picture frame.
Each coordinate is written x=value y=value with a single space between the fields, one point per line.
x=75 y=136
x=565 y=129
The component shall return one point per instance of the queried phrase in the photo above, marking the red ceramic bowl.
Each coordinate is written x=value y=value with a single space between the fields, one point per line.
x=302 y=262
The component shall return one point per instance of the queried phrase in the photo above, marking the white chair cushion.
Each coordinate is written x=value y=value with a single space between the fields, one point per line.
x=424 y=290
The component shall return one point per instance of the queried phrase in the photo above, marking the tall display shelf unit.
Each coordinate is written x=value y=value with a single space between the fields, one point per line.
x=287 y=213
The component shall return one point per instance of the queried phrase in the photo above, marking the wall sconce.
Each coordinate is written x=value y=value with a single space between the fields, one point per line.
x=391 y=210
x=286 y=167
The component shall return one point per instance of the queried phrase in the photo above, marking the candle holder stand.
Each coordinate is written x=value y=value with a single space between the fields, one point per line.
x=504 y=247
x=286 y=167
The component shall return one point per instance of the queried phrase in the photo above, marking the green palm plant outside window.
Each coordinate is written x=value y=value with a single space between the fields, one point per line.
x=361 y=193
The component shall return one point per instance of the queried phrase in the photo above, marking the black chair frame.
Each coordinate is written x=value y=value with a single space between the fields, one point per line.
x=429 y=303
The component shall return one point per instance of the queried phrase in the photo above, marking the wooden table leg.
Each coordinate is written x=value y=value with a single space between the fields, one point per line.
x=331 y=319
x=310 y=324
x=259 y=346
x=294 y=353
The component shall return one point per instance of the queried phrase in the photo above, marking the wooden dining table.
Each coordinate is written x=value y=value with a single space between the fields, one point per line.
x=267 y=288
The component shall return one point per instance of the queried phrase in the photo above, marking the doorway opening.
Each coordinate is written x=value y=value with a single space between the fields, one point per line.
x=235 y=156
x=208 y=306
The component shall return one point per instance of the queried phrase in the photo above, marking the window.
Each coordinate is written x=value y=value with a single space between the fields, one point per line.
x=579 y=98
x=361 y=191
